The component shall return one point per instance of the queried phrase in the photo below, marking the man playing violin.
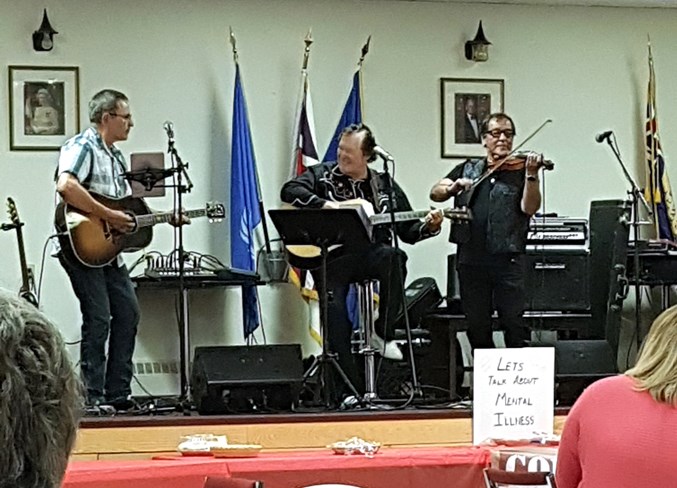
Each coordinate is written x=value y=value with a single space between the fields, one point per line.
x=490 y=248
x=326 y=186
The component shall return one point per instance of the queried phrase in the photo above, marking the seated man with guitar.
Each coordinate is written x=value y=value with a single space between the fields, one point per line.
x=326 y=186
x=90 y=162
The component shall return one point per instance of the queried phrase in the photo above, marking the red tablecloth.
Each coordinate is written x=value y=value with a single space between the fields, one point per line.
x=179 y=473
x=391 y=468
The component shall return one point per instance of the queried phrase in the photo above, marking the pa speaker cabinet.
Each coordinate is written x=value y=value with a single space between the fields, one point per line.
x=579 y=363
x=246 y=378
x=557 y=281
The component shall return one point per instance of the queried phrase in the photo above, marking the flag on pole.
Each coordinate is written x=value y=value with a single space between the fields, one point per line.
x=659 y=192
x=305 y=150
x=352 y=114
x=244 y=204
x=305 y=155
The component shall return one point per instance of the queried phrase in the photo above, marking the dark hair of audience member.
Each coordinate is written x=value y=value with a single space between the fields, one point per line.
x=40 y=398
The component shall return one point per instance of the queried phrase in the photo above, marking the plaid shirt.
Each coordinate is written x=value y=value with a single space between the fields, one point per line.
x=98 y=168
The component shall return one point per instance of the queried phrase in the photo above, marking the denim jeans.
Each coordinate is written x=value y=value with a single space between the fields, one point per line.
x=110 y=311
x=499 y=286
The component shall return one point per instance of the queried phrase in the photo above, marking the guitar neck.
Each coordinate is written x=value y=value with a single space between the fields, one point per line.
x=25 y=280
x=386 y=218
x=165 y=217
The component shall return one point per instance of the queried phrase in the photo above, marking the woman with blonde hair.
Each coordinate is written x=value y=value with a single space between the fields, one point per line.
x=622 y=431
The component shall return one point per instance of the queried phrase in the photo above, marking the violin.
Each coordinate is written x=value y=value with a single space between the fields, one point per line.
x=517 y=161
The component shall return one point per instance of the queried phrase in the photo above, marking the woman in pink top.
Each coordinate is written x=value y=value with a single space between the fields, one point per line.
x=622 y=431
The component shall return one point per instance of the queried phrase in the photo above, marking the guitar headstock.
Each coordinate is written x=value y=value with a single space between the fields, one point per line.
x=216 y=211
x=12 y=211
x=457 y=214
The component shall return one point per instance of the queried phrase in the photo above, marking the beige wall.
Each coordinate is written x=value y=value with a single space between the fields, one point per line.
x=585 y=68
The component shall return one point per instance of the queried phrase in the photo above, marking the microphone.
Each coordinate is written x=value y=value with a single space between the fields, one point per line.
x=379 y=151
x=603 y=136
x=169 y=129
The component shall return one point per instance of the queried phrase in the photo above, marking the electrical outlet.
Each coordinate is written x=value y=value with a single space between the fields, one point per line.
x=31 y=272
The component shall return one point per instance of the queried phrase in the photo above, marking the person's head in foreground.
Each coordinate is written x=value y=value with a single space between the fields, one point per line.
x=40 y=398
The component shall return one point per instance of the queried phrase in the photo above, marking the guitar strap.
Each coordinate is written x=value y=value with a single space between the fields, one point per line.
x=374 y=180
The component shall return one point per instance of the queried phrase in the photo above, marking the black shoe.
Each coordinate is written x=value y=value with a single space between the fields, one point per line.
x=122 y=403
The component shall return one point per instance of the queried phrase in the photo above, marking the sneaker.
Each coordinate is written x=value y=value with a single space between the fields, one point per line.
x=387 y=349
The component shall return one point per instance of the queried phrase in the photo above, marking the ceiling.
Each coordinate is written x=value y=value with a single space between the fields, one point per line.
x=590 y=3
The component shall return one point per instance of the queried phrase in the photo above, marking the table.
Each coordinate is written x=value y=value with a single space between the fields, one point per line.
x=460 y=467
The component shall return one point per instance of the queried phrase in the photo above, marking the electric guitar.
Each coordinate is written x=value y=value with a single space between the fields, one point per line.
x=27 y=284
x=91 y=241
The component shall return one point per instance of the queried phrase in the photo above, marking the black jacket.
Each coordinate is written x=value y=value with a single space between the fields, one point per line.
x=325 y=182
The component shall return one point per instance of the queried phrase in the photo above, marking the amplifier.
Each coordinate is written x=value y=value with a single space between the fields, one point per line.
x=557 y=281
x=557 y=230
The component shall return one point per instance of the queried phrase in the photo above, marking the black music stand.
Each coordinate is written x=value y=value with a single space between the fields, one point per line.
x=323 y=228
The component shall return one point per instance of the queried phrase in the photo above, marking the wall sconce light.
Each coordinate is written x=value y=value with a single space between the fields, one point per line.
x=43 y=38
x=478 y=48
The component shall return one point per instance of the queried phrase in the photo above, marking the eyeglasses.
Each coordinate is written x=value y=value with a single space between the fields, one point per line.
x=496 y=133
x=127 y=117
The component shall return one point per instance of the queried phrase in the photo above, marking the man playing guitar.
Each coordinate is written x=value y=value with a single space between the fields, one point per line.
x=326 y=186
x=90 y=161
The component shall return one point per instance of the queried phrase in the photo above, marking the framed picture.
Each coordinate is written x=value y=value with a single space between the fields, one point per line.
x=44 y=107
x=465 y=103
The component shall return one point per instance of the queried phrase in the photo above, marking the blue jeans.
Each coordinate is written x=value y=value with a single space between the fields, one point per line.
x=110 y=311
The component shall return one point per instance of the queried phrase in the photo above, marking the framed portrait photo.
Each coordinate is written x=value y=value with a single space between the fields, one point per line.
x=44 y=107
x=465 y=103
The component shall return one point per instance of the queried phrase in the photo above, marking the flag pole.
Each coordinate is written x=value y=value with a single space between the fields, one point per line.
x=365 y=51
x=306 y=52
x=262 y=210
x=653 y=177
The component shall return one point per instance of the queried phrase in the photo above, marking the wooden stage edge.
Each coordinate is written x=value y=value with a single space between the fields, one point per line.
x=143 y=437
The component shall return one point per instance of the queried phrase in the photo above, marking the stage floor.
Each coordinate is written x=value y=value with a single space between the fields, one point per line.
x=143 y=437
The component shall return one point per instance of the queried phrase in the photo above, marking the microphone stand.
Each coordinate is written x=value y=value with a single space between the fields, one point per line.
x=179 y=168
x=636 y=197
x=415 y=385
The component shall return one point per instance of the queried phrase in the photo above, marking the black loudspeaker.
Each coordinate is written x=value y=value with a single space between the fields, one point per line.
x=237 y=379
x=608 y=248
x=557 y=280
x=421 y=296
x=578 y=364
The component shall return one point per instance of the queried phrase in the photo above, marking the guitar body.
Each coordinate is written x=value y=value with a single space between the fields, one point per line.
x=91 y=241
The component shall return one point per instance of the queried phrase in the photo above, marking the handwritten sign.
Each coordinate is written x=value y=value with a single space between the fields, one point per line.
x=513 y=393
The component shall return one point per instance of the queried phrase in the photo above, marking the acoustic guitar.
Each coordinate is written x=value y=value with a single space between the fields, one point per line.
x=27 y=282
x=91 y=241
x=309 y=256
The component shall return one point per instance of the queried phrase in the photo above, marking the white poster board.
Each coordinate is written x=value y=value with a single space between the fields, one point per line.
x=513 y=393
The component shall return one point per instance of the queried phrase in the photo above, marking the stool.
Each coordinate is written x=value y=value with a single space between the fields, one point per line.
x=365 y=332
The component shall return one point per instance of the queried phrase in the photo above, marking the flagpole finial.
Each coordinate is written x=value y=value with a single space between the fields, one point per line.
x=365 y=51
x=233 y=42
x=306 y=52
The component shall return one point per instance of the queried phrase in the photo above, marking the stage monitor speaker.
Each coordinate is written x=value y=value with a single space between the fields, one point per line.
x=238 y=379
x=579 y=363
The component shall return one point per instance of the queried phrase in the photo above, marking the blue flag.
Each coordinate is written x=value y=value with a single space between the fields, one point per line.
x=352 y=114
x=244 y=204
